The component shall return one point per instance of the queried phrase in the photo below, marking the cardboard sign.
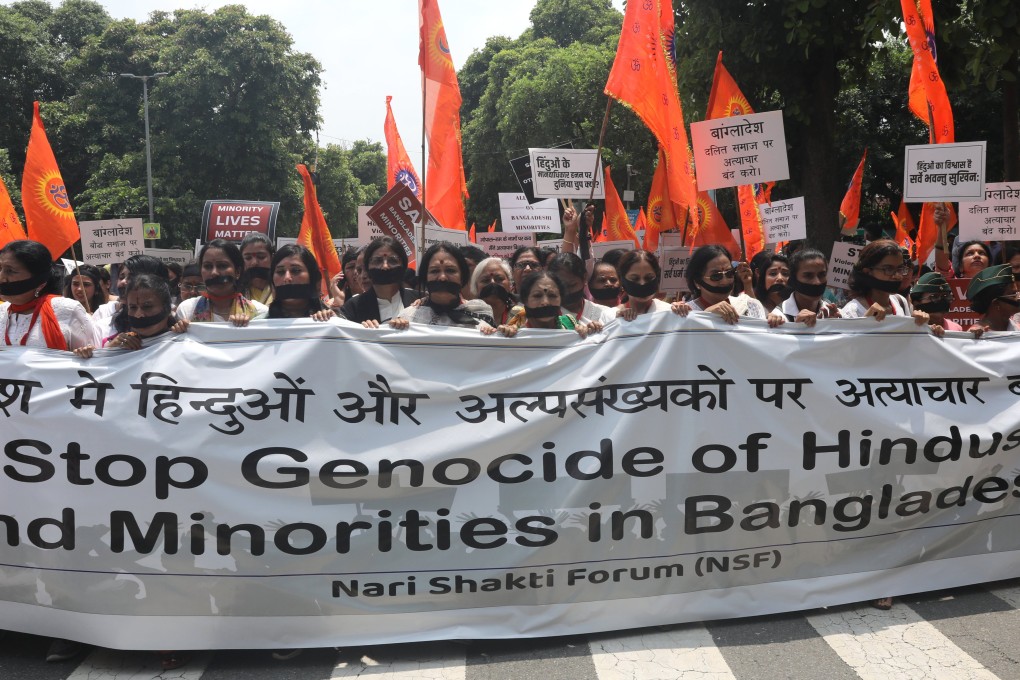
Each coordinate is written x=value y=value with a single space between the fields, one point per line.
x=498 y=244
x=673 y=262
x=784 y=220
x=170 y=255
x=841 y=262
x=233 y=220
x=519 y=216
x=739 y=150
x=566 y=173
x=522 y=171
x=997 y=218
x=397 y=213
x=108 y=241
x=959 y=308
x=367 y=229
x=944 y=172
x=598 y=250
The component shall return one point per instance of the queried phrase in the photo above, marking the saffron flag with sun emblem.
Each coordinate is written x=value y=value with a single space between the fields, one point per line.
x=643 y=79
x=659 y=212
x=850 y=208
x=714 y=230
x=314 y=233
x=904 y=222
x=10 y=225
x=928 y=232
x=398 y=163
x=445 y=187
x=48 y=213
x=927 y=93
x=616 y=224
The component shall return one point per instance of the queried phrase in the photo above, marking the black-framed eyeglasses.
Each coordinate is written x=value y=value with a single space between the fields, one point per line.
x=719 y=276
x=892 y=270
x=193 y=287
x=521 y=266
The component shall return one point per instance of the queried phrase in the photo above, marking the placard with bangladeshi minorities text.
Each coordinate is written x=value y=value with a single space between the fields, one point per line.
x=739 y=150
x=944 y=172
x=566 y=173
x=673 y=262
x=498 y=244
x=784 y=220
x=841 y=261
x=109 y=241
x=997 y=218
x=171 y=255
x=518 y=216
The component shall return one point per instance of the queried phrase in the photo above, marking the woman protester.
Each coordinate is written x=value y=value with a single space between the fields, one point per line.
x=874 y=280
x=809 y=272
x=443 y=271
x=568 y=268
x=710 y=278
x=191 y=281
x=36 y=314
x=994 y=294
x=524 y=260
x=257 y=252
x=604 y=284
x=542 y=294
x=297 y=283
x=145 y=316
x=221 y=265
x=491 y=282
x=133 y=266
x=771 y=276
x=386 y=298
x=641 y=275
x=85 y=284
x=932 y=295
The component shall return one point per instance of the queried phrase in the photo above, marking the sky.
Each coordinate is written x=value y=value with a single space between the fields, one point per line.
x=368 y=50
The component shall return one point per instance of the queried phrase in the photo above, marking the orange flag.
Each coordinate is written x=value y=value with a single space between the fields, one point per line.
x=48 y=211
x=643 y=78
x=725 y=100
x=10 y=225
x=650 y=240
x=471 y=234
x=616 y=224
x=446 y=187
x=492 y=227
x=714 y=230
x=927 y=232
x=659 y=214
x=904 y=222
x=850 y=208
x=398 y=163
x=934 y=109
x=314 y=234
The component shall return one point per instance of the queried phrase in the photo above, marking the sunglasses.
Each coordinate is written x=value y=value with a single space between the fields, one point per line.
x=719 y=276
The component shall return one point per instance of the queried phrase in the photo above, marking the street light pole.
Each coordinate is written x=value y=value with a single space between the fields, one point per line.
x=148 y=147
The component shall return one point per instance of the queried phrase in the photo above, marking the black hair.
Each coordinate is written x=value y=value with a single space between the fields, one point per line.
x=614 y=256
x=595 y=270
x=385 y=241
x=804 y=255
x=569 y=263
x=526 y=249
x=699 y=263
x=257 y=237
x=473 y=253
x=870 y=256
x=174 y=267
x=146 y=264
x=958 y=260
x=315 y=303
x=92 y=273
x=545 y=255
x=529 y=281
x=191 y=269
x=760 y=265
x=450 y=249
x=632 y=257
x=153 y=282
x=37 y=260
x=231 y=250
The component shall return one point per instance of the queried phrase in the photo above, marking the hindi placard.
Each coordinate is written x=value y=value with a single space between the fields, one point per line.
x=498 y=244
x=171 y=255
x=109 y=241
x=997 y=218
x=739 y=150
x=944 y=172
x=784 y=220
x=566 y=173
x=673 y=262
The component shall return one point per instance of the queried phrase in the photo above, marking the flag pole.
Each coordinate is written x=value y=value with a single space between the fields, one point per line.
x=582 y=234
x=424 y=168
x=743 y=248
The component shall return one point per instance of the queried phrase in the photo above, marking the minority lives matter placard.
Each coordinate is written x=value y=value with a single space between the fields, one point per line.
x=334 y=492
x=944 y=172
x=566 y=173
x=739 y=150
x=997 y=218
x=109 y=241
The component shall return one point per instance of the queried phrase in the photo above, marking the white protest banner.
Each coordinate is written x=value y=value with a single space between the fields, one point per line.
x=841 y=262
x=169 y=255
x=739 y=150
x=109 y=241
x=784 y=220
x=673 y=262
x=944 y=172
x=498 y=244
x=566 y=173
x=519 y=216
x=309 y=484
x=367 y=229
x=598 y=250
x=996 y=218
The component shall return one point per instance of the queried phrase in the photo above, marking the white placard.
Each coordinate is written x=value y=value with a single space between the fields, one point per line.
x=341 y=244
x=944 y=172
x=554 y=243
x=841 y=262
x=599 y=250
x=739 y=150
x=997 y=218
x=784 y=220
x=70 y=265
x=437 y=234
x=367 y=229
x=169 y=255
x=498 y=244
x=670 y=239
x=673 y=262
x=198 y=247
x=109 y=241
x=566 y=173
x=518 y=216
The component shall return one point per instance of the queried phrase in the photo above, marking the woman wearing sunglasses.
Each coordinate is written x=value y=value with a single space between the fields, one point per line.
x=710 y=278
x=875 y=278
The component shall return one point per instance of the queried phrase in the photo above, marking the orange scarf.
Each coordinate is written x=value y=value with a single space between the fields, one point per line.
x=42 y=310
